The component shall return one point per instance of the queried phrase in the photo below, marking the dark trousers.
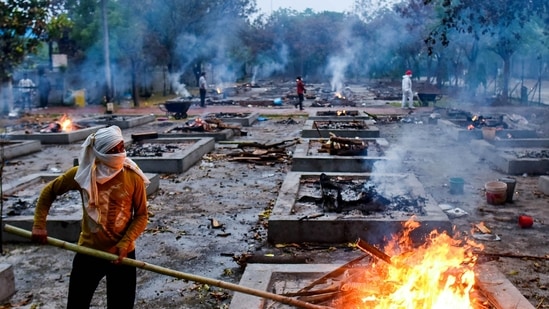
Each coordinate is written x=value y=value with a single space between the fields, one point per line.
x=43 y=99
x=202 y=97
x=301 y=97
x=87 y=272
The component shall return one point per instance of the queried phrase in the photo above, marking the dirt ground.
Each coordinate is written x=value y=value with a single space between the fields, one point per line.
x=180 y=234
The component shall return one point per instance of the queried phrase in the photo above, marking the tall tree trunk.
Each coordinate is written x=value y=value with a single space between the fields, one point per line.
x=106 y=53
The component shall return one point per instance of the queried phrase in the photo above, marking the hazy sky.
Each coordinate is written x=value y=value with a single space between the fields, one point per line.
x=317 y=5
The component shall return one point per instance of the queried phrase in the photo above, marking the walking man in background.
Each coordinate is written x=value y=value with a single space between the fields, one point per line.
x=202 y=85
x=300 y=92
x=25 y=88
x=114 y=215
x=407 y=95
x=44 y=88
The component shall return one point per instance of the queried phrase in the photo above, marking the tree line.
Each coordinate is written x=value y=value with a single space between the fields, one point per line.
x=467 y=43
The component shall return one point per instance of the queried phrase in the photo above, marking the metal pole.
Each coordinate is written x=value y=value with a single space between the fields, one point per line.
x=166 y=271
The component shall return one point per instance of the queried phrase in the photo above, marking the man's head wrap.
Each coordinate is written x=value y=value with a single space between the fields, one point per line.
x=98 y=166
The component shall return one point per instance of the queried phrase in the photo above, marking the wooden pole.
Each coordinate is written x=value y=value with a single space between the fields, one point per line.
x=166 y=271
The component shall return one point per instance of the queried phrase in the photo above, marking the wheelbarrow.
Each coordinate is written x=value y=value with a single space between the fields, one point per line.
x=177 y=108
x=426 y=98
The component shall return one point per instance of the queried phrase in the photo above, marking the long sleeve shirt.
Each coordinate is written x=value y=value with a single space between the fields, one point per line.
x=300 y=87
x=127 y=214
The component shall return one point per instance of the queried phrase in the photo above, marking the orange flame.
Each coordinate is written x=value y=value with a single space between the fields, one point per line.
x=438 y=274
x=470 y=127
x=66 y=124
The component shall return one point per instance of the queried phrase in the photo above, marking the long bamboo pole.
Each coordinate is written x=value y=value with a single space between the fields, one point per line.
x=166 y=271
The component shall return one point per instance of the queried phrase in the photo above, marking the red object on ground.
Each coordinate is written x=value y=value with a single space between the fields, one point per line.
x=525 y=221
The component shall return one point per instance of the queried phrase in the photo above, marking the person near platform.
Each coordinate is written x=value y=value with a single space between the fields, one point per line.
x=300 y=92
x=26 y=86
x=44 y=88
x=202 y=85
x=407 y=94
x=115 y=214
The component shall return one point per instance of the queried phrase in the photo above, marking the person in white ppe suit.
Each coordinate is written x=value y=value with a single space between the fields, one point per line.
x=407 y=94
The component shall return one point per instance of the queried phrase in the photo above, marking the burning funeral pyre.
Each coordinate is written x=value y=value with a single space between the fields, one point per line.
x=436 y=274
x=205 y=125
x=342 y=194
x=342 y=146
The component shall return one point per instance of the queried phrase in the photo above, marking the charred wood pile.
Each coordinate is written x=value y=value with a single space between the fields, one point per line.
x=261 y=153
x=205 y=125
x=153 y=150
x=340 y=125
x=343 y=194
x=342 y=146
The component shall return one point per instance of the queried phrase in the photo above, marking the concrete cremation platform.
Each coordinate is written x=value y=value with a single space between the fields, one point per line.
x=290 y=278
x=180 y=131
x=457 y=130
x=55 y=138
x=244 y=119
x=288 y=222
x=505 y=159
x=342 y=128
x=122 y=121
x=14 y=148
x=306 y=157
x=178 y=161
x=65 y=227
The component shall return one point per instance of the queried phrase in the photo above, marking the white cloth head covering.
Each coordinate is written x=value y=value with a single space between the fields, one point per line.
x=97 y=166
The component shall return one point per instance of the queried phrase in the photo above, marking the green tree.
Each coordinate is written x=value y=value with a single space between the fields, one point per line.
x=505 y=22
x=22 y=24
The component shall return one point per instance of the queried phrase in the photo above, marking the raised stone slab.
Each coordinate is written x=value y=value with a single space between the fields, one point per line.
x=285 y=225
x=457 y=130
x=310 y=129
x=244 y=119
x=292 y=277
x=307 y=158
x=505 y=160
x=55 y=138
x=174 y=131
x=14 y=148
x=65 y=227
x=178 y=161
x=7 y=282
x=122 y=121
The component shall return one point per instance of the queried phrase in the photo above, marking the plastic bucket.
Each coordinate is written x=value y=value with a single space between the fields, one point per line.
x=489 y=133
x=510 y=181
x=456 y=185
x=496 y=192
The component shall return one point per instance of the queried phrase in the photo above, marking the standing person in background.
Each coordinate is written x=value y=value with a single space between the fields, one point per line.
x=300 y=92
x=114 y=215
x=202 y=85
x=25 y=87
x=407 y=94
x=44 y=88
